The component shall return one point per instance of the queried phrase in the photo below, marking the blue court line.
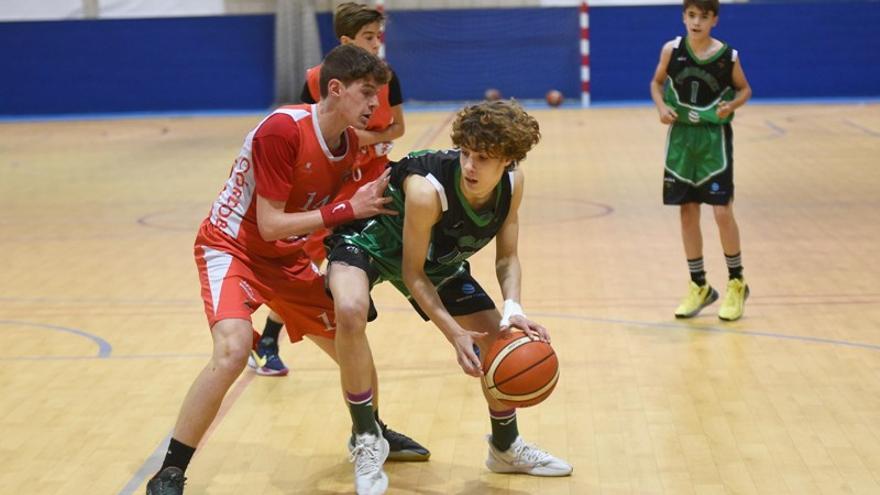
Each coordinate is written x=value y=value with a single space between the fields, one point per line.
x=104 y=347
x=862 y=128
x=715 y=329
x=153 y=462
x=780 y=131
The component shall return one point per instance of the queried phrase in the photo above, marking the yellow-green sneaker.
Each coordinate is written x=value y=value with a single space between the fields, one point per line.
x=734 y=300
x=697 y=298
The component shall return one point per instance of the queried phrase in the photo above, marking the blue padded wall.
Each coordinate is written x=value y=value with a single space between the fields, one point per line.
x=166 y=64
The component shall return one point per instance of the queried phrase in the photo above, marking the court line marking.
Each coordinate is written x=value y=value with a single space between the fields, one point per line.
x=716 y=329
x=104 y=347
x=862 y=128
x=154 y=461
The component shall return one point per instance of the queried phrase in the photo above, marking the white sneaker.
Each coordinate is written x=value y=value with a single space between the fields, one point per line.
x=524 y=458
x=368 y=455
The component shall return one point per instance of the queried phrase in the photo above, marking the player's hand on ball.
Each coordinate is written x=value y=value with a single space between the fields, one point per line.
x=533 y=330
x=464 y=350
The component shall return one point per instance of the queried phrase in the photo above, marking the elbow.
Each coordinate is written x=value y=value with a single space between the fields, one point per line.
x=400 y=131
x=409 y=279
x=267 y=232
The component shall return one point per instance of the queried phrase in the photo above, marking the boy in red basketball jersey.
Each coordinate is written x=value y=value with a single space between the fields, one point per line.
x=249 y=251
x=451 y=204
x=361 y=26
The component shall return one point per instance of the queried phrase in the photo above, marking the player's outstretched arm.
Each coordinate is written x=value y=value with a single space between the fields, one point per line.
x=274 y=223
x=422 y=212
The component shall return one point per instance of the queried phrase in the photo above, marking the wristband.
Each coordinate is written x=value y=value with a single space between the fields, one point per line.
x=337 y=214
x=511 y=308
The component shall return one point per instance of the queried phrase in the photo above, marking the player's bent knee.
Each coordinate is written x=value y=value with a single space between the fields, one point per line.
x=351 y=315
x=232 y=344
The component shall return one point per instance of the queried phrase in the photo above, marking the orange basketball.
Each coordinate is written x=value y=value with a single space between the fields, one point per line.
x=554 y=98
x=520 y=372
x=492 y=94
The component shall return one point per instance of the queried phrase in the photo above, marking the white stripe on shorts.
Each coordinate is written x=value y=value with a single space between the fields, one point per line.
x=218 y=266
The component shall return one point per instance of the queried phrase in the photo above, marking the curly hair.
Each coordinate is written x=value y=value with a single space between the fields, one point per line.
x=500 y=129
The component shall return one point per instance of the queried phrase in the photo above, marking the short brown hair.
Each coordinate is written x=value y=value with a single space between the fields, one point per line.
x=348 y=63
x=501 y=129
x=704 y=5
x=350 y=17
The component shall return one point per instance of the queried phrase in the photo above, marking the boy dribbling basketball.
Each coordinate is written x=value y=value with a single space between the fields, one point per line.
x=451 y=204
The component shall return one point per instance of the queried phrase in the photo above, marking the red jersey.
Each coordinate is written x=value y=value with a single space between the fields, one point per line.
x=285 y=158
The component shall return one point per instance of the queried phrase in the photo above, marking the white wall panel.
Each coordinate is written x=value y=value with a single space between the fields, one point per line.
x=21 y=10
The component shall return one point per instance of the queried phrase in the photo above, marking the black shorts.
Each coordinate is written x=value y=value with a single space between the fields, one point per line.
x=461 y=295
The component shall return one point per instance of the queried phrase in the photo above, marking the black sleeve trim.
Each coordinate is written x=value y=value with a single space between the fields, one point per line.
x=306 y=95
x=395 y=96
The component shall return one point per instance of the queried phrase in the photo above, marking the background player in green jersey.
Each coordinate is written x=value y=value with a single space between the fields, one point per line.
x=450 y=205
x=704 y=83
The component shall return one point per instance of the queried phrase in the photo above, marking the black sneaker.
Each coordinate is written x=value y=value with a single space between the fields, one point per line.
x=402 y=447
x=169 y=481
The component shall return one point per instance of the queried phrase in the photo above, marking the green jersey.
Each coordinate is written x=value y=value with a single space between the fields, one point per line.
x=695 y=87
x=460 y=232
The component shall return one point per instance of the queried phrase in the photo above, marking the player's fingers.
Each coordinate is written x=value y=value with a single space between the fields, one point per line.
x=385 y=211
x=475 y=363
x=545 y=335
x=469 y=369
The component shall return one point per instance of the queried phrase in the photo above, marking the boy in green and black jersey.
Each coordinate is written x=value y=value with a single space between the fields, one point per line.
x=697 y=85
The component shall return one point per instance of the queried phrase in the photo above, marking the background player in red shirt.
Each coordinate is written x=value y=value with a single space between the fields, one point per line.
x=361 y=26
x=249 y=251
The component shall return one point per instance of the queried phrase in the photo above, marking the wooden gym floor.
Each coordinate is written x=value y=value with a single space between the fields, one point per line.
x=102 y=328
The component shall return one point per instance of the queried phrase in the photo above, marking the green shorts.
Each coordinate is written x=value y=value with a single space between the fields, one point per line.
x=699 y=164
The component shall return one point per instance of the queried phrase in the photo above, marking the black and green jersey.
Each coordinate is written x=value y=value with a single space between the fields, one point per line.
x=460 y=232
x=695 y=87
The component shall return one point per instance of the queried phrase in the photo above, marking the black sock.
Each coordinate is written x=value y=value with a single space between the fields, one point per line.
x=504 y=430
x=734 y=265
x=361 y=408
x=698 y=272
x=273 y=328
x=376 y=417
x=178 y=455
